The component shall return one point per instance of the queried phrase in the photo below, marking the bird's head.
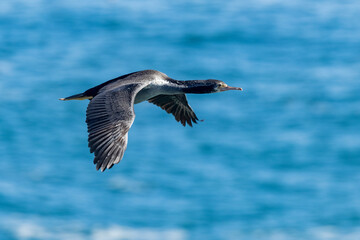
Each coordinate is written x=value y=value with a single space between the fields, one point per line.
x=220 y=86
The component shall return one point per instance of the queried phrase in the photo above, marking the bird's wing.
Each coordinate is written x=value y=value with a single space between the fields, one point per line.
x=109 y=117
x=178 y=106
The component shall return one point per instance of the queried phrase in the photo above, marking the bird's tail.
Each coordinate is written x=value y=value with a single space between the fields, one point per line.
x=80 y=96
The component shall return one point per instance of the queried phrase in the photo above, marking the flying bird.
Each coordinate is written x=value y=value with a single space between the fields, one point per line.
x=110 y=112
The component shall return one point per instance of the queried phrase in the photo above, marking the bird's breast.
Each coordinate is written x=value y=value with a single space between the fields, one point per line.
x=153 y=90
x=147 y=93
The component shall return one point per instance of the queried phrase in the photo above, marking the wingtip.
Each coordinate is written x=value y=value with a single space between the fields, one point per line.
x=102 y=168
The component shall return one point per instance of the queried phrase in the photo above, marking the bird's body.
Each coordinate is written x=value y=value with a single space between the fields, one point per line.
x=110 y=113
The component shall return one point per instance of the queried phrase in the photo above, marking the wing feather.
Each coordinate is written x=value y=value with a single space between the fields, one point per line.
x=109 y=117
x=178 y=106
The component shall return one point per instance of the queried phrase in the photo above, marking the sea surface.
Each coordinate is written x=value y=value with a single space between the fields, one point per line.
x=277 y=161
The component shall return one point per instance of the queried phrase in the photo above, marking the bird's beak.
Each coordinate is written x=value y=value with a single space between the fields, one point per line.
x=227 y=88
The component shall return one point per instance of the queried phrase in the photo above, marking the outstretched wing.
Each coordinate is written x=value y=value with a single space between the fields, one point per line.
x=178 y=106
x=109 y=117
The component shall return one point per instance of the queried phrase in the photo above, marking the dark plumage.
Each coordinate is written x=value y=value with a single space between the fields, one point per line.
x=110 y=112
x=177 y=105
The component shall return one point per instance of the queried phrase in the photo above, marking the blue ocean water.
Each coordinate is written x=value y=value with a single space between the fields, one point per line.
x=278 y=161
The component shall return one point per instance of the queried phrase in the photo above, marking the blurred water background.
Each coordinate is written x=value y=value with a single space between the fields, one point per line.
x=278 y=161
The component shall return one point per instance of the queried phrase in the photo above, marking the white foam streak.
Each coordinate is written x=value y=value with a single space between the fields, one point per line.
x=120 y=233
x=34 y=230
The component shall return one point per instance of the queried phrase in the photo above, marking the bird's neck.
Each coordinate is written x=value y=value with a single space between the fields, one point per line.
x=196 y=87
x=177 y=87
